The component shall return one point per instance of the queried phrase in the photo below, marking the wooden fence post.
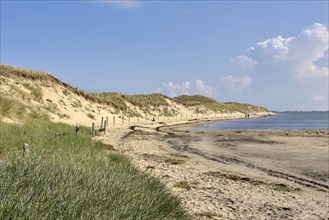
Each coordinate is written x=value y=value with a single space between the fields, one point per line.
x=77 y=129
x=102 y=122
x=113 y=121
x=107 y=121
x=123 y=119
x=93 y=129
x=26 y=150
x=105 y=125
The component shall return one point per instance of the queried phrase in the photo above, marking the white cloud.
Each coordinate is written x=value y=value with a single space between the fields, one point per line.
x=237 y=84
x=244 y=63
x=297 y=55
x=124 y=4
x=291 y=69
x=203 y=89
x=186 y=88
x=320 y=98
x=173 y=90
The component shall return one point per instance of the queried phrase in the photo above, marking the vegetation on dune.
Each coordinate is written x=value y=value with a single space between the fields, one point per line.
x=240 y=107
x=183 y=184
x=36 y=91
x=213 y=105
x=199 y=100
x=115 y=99
x=11 y=108
x=37 y=75
x=121 y=102
x=73 y=176
x=91 y=116
x=150 y=100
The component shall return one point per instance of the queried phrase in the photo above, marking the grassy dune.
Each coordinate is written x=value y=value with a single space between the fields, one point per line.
x=213 y=105
x=72 y=177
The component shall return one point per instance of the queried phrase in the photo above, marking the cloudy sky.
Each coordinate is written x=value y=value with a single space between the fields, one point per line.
x=273 y=54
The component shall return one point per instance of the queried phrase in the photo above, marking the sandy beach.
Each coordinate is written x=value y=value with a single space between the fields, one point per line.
x=234 y=174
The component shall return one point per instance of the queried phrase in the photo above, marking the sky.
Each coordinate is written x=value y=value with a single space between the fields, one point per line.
x=268 y=53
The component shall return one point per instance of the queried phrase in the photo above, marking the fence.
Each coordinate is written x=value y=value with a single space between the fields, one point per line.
x=104 y=123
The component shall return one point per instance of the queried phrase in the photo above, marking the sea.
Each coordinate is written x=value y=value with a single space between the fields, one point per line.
x=278 y=121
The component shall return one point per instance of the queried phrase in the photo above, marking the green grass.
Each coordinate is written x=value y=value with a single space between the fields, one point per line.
x=20 y=92
x=74 y=177
x=10 y=108
x=44 y=77
x=183 y=184
x=213 y=105
x=199 y=100
x=246 y=108
x=117 y=100
x=145 y=101
x=36 y=91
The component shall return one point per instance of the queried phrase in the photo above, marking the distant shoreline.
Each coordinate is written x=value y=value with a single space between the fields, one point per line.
x=285 y=121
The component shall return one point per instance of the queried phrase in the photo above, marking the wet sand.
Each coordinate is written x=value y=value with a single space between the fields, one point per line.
x=300 y=156
x=235 y=174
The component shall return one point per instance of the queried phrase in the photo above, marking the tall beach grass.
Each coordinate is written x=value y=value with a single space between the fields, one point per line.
x=74 y=177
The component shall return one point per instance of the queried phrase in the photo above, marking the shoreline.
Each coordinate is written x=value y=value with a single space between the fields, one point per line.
x=217 y=189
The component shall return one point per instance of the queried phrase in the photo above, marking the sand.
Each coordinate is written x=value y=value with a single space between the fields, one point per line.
x=234 y=174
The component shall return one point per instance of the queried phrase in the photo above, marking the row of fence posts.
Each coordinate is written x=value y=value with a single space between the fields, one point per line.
x=105 y=123
x=105 y=120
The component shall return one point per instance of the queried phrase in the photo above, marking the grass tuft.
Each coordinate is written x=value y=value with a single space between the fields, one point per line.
x=174 y=161
x=91 y=116
x=11 y=108
x=36 y=92
x=183 y=184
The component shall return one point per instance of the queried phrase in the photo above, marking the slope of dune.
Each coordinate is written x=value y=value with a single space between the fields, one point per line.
x=42 y=92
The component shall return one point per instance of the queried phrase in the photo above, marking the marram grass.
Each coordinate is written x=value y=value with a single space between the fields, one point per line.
x=74 y=177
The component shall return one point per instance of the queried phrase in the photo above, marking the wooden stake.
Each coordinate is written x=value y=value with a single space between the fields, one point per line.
x=102 y=122
x=77 y=129
x=26 y=150
x=93 y=129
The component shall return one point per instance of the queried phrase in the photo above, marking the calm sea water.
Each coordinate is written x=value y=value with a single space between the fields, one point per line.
x=279 y=121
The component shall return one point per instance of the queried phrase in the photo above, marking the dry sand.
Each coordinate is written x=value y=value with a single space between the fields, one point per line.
x=235 y=174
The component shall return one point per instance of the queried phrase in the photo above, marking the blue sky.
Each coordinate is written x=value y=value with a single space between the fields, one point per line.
x=273 y=54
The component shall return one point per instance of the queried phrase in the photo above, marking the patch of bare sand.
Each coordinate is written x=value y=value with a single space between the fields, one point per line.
x=218 y=190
